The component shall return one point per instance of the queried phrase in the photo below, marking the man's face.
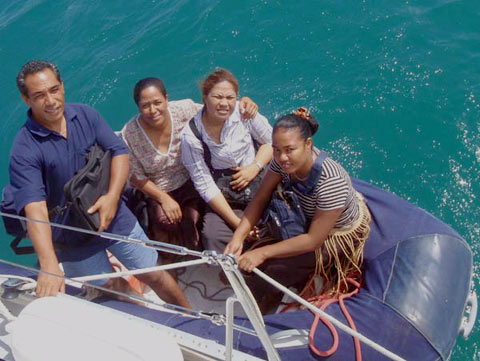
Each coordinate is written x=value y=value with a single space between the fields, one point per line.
x=46 y=97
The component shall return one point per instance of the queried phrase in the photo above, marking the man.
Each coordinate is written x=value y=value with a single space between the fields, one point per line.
x=46 y=153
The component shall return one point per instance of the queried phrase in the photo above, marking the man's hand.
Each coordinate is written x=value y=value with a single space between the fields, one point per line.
x=49 y=284
x=248 y=109
x=106 y=206
x=171 y=208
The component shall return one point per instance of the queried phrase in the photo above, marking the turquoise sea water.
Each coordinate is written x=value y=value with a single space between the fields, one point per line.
x=395 y=84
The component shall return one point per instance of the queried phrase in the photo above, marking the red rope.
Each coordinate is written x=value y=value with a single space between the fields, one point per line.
x=356 y=341
x=333 y=331
x=323 y=301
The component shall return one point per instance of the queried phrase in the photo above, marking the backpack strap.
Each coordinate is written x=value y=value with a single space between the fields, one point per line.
x=14 y=245
x=206 y=151
x=21 y=250
x=313 y=176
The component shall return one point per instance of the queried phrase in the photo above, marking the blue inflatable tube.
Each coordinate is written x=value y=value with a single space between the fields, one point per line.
x=416 y=279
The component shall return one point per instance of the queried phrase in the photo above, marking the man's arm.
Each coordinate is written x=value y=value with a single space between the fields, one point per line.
x=41 y=235
x=107 y=204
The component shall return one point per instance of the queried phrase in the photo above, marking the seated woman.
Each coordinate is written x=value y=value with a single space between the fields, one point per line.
x=339 y=220
x=218 y=148
x=153 y=137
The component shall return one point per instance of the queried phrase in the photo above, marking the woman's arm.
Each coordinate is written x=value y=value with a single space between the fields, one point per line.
x=244 y=175
x=193 y=159
x=220 y=205
x=322 y=224
x=248 y=108
x=169 y=205
x=253 y=212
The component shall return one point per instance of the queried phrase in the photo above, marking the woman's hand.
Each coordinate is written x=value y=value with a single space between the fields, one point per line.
x=243 y=176
x=251 y=259
x=171 y=208
x=248 y=109
x=235 y=247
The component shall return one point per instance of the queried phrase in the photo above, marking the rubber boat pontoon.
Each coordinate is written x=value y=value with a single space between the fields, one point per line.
x=415 y=299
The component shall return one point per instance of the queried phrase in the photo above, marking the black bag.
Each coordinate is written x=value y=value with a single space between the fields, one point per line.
x=14 y=226
x=223 y=177
x=136 y=201
x=239 y=198
x=284 y=217
x=86 y=186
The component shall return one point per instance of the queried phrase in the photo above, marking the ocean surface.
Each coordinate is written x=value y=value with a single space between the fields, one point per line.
x=394 y=84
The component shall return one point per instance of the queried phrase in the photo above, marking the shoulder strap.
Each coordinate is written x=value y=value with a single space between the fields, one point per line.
x=206 y=151
x=19 y=250
x=313 y=176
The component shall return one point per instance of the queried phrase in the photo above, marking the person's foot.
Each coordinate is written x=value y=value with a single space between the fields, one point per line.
x=269 y=303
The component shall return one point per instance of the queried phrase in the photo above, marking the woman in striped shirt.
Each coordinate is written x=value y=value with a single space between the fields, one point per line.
x=332 y=246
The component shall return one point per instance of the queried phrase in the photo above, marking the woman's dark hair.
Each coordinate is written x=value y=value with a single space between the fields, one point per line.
x=304 y=121
x=145 y=83
x=217 y=76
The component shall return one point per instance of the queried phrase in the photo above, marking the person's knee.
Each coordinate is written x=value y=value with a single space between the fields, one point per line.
x=157 y=277
x=215 y=233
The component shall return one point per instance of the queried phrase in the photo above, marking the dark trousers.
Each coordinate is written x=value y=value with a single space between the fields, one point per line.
x=216 y=234
x=186 y=232
x=290 y=272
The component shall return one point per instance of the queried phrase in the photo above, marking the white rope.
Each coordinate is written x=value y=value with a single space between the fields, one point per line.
x=140 y=271
x=333 y=320
x=30 y=283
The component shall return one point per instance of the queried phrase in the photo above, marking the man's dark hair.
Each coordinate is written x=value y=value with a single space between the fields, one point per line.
x=32 y=67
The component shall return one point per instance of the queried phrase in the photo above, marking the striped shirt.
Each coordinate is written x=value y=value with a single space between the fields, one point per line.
x=234 y=150
x=334 y=190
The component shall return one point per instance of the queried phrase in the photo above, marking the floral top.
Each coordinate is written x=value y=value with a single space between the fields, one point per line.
x=147 y=162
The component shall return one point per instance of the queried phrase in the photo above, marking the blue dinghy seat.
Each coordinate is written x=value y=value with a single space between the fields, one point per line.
x=416 y=278
x=429 y=284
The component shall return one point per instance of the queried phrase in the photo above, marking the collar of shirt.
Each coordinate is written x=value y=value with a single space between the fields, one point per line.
x=40 y=130
x=229 y=123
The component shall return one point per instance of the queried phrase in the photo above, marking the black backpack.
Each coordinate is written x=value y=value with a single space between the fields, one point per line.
x=14 y=226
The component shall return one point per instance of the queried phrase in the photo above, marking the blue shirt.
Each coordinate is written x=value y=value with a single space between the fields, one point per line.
x=42 y=161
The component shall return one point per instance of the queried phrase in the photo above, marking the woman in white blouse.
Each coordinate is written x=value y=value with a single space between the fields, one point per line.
x=217 y=145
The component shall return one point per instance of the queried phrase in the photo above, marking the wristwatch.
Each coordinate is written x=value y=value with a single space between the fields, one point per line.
x=260 y=167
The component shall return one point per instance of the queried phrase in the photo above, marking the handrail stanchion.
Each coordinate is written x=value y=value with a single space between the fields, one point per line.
x=230 y=303
x=228 y=264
